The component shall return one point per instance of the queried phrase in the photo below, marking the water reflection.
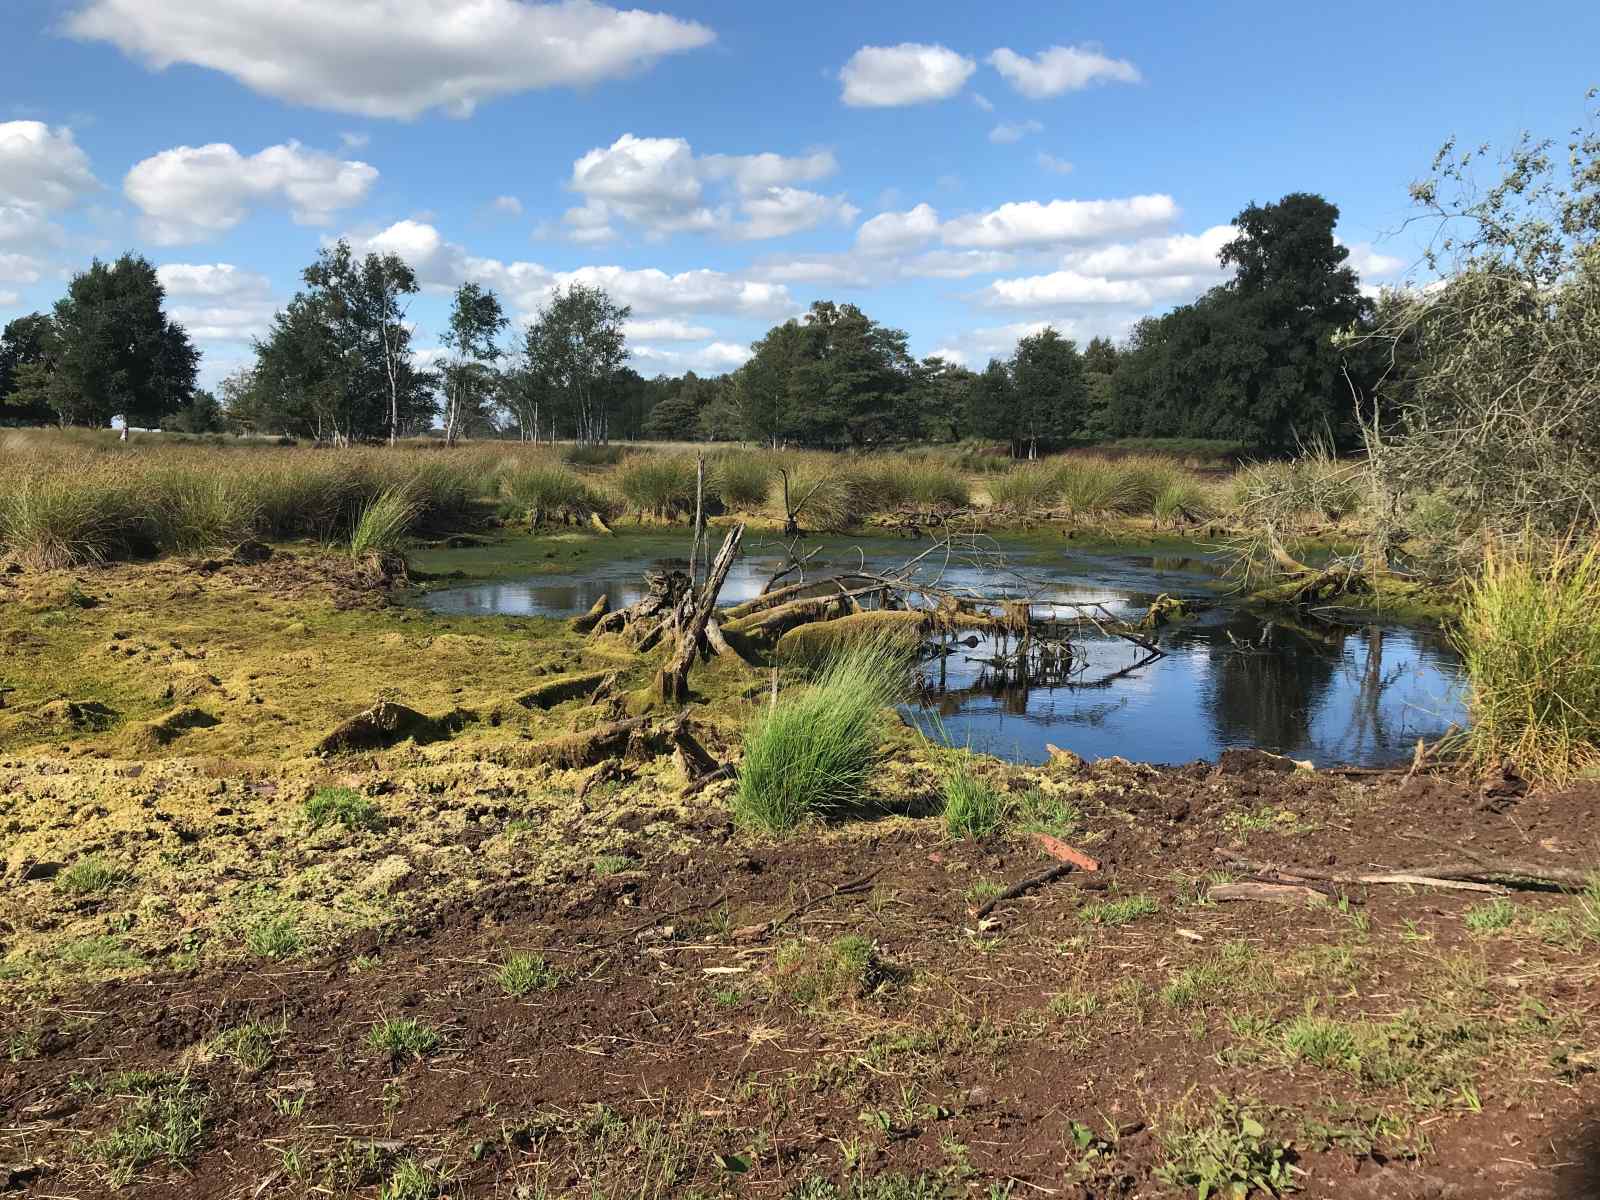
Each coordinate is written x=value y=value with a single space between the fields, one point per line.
x=1358 y=694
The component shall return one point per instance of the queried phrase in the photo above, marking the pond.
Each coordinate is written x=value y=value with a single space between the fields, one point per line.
x=1335 y=692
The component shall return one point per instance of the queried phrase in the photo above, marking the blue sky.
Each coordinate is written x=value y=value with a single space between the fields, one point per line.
x=966 y=172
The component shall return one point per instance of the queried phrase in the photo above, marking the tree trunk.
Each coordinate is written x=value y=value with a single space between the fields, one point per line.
x=673 y=682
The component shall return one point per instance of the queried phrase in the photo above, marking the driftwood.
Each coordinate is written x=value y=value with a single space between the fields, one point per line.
x=1494 y=876
x=1278 y=893
x=1026 y=885
x=692 y=758
x=566 y=687
x=794 y=591
x=593 y=617
x=673 y=681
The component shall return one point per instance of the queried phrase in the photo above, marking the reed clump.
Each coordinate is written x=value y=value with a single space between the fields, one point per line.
x=1529 y=640
x=811 y=754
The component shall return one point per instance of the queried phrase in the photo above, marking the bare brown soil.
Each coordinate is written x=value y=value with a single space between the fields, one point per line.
x=1081 y=1047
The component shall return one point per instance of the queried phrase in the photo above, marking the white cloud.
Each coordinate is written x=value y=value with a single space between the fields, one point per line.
x=717 y=358
x=443 y=265
x=666 y=329
x=1061 y=69
x=509 y=205
x=840 y=270
x=1014 y=131
x=1064 y=288
x=957 y=264
x=1060 y=221
x=20 y=268
x=950 y=354
x=898 y=230
x=910 y=73
x=391 y=58
x=1050 y=162
x=10 y=299
x=983 y=102
x=1369 y=263
x=42 y=170
x=218 y=302
x=25 y=227
x=190 y=193
x=354 y=141
x=659 y=184
x=1179 y=255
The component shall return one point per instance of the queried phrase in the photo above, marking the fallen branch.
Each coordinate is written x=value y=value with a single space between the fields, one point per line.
x=587 y=622
x=673 y=681
x=1493 y=877
x=752 y=933
x=1278 y=893
x=1026 y=885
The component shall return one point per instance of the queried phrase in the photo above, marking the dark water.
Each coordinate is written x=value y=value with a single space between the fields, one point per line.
x=1358 y=694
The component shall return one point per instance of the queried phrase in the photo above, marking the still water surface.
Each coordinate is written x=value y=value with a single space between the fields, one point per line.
x=1358 y=694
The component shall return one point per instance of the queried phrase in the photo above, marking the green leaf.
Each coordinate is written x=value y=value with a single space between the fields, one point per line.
x=1251 y=1127
x=734 y=1164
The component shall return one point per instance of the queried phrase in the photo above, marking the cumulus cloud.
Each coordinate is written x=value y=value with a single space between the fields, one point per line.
x=1369 y=263
x=442 y=265
x=1061 y=69
x=190 y=193
x=716 y=358
x=1014 y=131
x=1179 y=255
x=1060 y=288
x=898 y=230
x=1031 y=223
x=391 y=58
x=1053 y=164
x=42 y=170
x=910 y=73
x=660 y=185
x=507 y=205
x=666 y=329
x=20 y=268
x=218 y=301
x=10 y=299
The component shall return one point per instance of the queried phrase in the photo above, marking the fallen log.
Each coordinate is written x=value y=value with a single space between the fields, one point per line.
x=565 y=687
x=1278 y=893
x=574 y=750
x=794 y=591
x=693 y=759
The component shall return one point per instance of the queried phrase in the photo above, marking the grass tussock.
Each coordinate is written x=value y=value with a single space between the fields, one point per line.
x=1530 y=645
x=741 y=481
x=1025 y=490
x=811 y=754
x=384 y=524
x=973 y=807
x=1092 y=486
x=544 y=493
x=658 y=485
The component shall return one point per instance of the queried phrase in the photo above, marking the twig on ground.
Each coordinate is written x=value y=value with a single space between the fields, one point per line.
x=1026 y=885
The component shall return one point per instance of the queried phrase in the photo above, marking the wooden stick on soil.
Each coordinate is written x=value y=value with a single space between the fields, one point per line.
x=1026 y=885
x=1486 y=876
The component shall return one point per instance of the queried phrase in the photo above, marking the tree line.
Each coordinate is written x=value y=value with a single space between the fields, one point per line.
x=1262 y=359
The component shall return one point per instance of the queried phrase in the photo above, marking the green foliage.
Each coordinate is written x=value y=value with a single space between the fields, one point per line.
x=1490 y=916
x=812 y=753
x=343 y=806
x=1225 y=1153
x=1026 y=490
x=973 y=807
x=524 y=973
x=276 y=937
x=250 y=1046
x=410 y=1180
x=542 y=492
x=400 y=1037
x=660 y=485
x=162 y=1118
x=1530 y=645
x=816 y=975
x=383 y=524
x=575 y=348
x=741 y=481
x=52 y=520
x=90 y=876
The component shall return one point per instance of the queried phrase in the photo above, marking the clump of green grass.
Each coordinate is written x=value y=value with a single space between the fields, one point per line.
x=1530 y=645
x=542 y=493
x=594 y=455
x=816 y=975
x=275 y=937
x=524 y=973
x=1226 y=1152
x=62 y=519
x=90 y=876
x=164 y=1118
x=194 y=510
x=811 y=754
x=973 y=807
x=384 y=524
x=741 y=481
x=659 y=485
x=342 y=806
x=410 y=1180
x=816 y=495
x=400 y=1037
x=1322 y=1042
x=1491 y=916
x=1025 y=490
x=1039 y=811
x=1119 y=912
x=251 y=1046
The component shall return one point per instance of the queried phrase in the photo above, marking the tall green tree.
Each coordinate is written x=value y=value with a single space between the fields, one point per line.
x=577 y=346
x=117 y=353
x=476 y=320
x=338 y=363
x=1047 y=397
x=28 y=348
